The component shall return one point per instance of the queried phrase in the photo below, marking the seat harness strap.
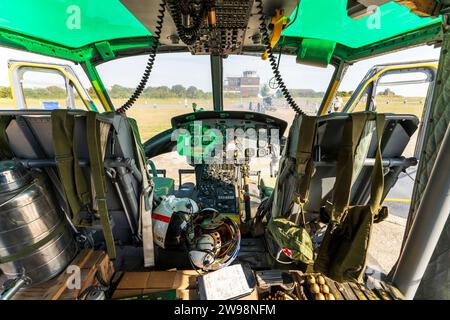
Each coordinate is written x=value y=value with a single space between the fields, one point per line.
x=72 y=177
x=98 y=179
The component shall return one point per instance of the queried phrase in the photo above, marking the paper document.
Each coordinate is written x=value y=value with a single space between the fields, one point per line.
x=227 y=283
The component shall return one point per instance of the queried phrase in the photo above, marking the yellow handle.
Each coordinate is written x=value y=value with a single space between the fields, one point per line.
x=279 y=21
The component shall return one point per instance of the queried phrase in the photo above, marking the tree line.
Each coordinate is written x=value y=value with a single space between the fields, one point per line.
x=115 y=92
x=161 y=92
x=5 y=92
x=297 y=93
x=344 y=93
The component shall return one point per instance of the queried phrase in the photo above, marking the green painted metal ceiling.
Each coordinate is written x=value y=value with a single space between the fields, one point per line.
x=77 y=23
x=328 y=20
x=71 y=23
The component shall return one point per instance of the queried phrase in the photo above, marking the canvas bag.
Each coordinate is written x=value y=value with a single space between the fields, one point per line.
x=343 y=252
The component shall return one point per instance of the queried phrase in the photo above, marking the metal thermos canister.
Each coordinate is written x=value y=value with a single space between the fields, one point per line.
x=35 y=239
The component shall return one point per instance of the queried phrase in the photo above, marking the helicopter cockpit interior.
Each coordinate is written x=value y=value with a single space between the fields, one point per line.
x=221 y=187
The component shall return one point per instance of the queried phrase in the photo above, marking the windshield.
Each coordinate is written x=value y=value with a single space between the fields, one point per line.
x=249 y=85
x=179 y=84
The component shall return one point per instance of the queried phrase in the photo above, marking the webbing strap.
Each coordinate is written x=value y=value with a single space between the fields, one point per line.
x=55 y=233
x=146 y=225
x=98 y=179
x=5 y=151
x=342 y=188
x=72 y=177
x=292 y=185
x=305 y=163
x=376 y=191
x=353 y=130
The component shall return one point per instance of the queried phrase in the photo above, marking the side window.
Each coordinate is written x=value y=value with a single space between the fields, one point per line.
x=403 y=93
x=78 y=102
x=397 y=91
x=44 y=90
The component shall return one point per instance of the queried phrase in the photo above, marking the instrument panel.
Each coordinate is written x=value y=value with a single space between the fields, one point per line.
x=231 y=119
x=220 y=144
x=225 y=134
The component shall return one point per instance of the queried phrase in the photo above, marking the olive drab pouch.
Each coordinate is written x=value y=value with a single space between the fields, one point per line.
x=293 y=240
x=343 y=253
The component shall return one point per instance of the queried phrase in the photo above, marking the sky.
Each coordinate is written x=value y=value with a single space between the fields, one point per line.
x=187 y=70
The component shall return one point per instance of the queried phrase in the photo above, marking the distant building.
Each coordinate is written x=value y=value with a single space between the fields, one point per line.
x=246 y=86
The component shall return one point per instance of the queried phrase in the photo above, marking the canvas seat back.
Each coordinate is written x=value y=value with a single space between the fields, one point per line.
x=397 y=133
x=30 y=139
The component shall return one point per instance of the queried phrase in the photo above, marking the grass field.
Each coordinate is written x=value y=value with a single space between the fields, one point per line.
x=401 y=105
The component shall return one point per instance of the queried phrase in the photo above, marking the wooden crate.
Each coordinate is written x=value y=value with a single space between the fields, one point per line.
x=89 y=262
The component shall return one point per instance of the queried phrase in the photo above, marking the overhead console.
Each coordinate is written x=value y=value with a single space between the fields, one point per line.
x=219 y=28
x=223 y=32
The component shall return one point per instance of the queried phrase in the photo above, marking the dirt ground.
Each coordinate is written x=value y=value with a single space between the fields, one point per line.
x=385 y=245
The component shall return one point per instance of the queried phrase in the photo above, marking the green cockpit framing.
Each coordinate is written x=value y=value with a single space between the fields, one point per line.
x=95 y=44
x=110 y=31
